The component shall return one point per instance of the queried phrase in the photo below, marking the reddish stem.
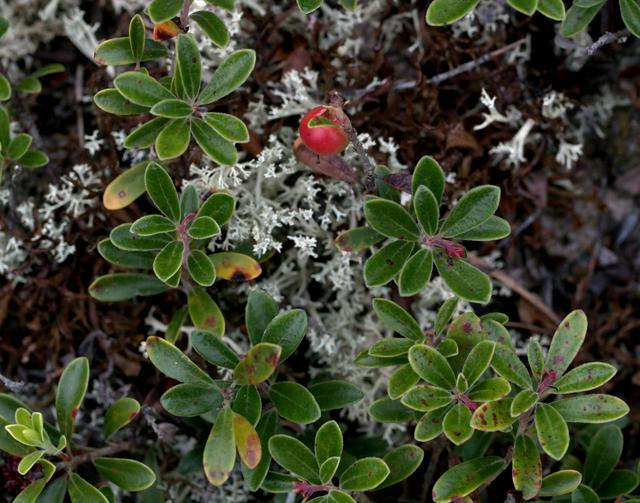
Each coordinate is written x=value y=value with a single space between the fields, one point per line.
x=453 y=250
x=471 y=405
x=307 y=490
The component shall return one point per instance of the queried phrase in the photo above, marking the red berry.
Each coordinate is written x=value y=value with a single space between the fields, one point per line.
x=325 y=139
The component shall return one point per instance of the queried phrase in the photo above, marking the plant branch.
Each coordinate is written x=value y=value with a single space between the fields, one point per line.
x=109 y=450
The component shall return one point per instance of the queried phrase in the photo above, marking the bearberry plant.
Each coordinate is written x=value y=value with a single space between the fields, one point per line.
x=52 y=454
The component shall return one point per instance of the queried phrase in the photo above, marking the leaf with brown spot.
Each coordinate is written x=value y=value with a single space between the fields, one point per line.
x=204 y=312
x=258 y=364
x=235 y=266
x=566 y=342
x=493 y=416
x=125 y=188
x=247 y=441
x=220 y=450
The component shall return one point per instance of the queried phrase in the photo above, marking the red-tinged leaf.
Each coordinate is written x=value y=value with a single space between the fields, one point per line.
x=247 y=441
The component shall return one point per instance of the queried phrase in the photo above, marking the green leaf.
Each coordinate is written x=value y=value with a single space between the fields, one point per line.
x=478 y=361
x=18 y=146
x=584 y=494
x=527 y=7
x=54 y=492
x=456 y=424
x=357 y=239
x=427 y=209
x=247 y=403
x=4 y=26
x=491 y=229
x=328 y=442
x=431 y=366
x=386 y=263
x=603 y=455
x=72 y=387
x=464 y=478
x=5 y=88
x=204 y=312
x=428 y=173
x=392 y=346
x=203 y=228
x=260 y=310
x=552 y=430
x=402 y=461
x=294 y=402
x=397 y=319
x=365 y=360
x=212 y=144
x=308 y=6
x=523 y=401
x=491 y=389
x=266 y=428
x=535 y=356
x=384 y=189
x=402 y=379
x=287 y=331
x=122 y=237
x=390 y=219
x=279 y=483
x=189 y=64
x=172 y=109
x=29 y=84
x=33 y=159
x=493 y=416
x=364 y=474
x=425 y=398
x=474 y=208
x=559 y=483
x=189 y=201
x=163 y=10
x=213 y=349
x=175 y=324
x=584 y=378
x=463 y=279
x=507 y=364
x=553 y=9
x=213 y=26
x=630 y=11
x=443 y=12
x=137 y=37
x=620 y=482
x=566 y=342
x=191 y=400
x=444 y=314
x=295 y=457
x=141 y=89
x=169 y=260
x=125 y=286
x=150 y=225
x=162 y=191
x=27 y=462
x=117 y=51
x=173 y=140
x=591 y=408
x=220 y=450
x=173 y=363
x=231 y=74
x=219 y=206
x=415 y=273
x=247 y=441
x=430 y=425
x=120 y=414
x=229 y=127
x=80 y=491
x=526 y=469
x=328 y=469
x=128 y=474
x=332 y=395
x=386 y=410
x=578 y=18
x=4 y=126
x=146 y=134
x=258 y=364
x=111 y=101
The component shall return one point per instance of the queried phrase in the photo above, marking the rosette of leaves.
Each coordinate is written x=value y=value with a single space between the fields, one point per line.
x=601 y=480
x=308 y=6
x=242 y=425
x=322 y=474
x=180 y=105
x=576 y=19
x=173 y=246
x=419 y=238
x=165 y=13
x=27 y=435
x=16 y=149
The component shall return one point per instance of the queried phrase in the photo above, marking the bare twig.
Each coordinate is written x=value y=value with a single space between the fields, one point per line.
x=91 y=455
x=606 y=39
x=16 y=386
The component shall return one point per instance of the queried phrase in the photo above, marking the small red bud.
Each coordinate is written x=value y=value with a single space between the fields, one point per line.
x=321 y=139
